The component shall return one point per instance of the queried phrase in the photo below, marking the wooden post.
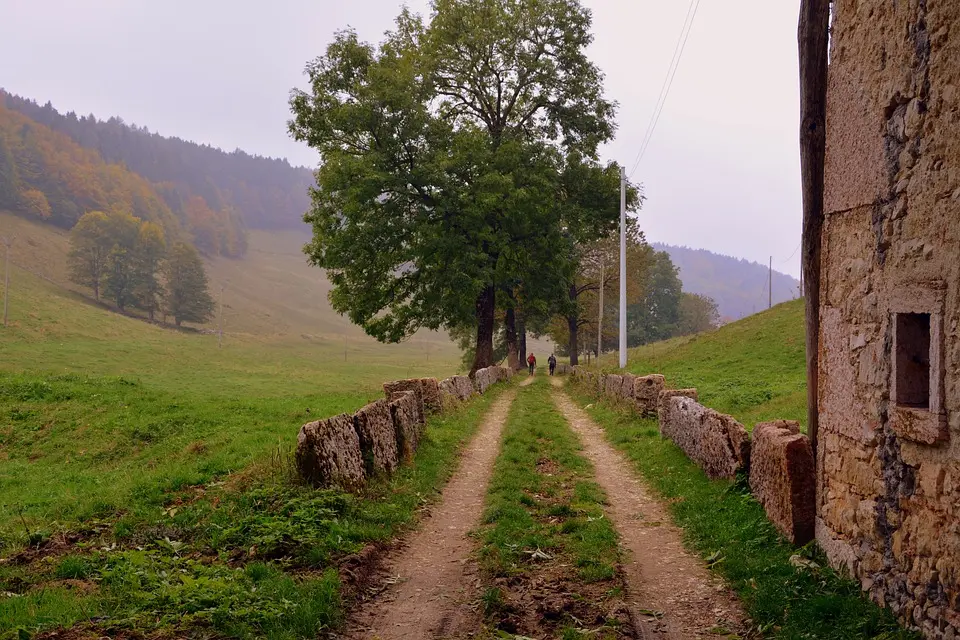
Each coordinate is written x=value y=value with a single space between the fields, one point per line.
x=813 y=36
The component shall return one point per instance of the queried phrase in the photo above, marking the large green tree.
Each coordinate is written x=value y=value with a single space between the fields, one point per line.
x=123 y=229
x=148 y=256
x=448 y=155
x=187 y=298
x=90 y=246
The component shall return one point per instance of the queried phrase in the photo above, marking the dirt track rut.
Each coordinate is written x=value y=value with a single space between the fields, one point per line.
x=672 y=594
x=434 y=579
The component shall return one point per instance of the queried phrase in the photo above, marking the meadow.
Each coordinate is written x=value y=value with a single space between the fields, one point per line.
x=102 y=414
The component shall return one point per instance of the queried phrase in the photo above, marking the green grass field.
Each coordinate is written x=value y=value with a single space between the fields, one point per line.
x=753 y=369
x=101 y=414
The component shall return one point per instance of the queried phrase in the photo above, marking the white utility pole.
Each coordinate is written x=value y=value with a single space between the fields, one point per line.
x=600 y=313
x=6 y=280
x=623 y=267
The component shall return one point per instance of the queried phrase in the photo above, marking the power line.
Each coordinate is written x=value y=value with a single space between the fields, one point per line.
x=667 y=81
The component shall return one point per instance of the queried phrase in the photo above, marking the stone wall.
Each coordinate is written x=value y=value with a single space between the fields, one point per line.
x=779 y=461
x=344 y=451
x=716 y=442
x=889 y=393
x=782 y=478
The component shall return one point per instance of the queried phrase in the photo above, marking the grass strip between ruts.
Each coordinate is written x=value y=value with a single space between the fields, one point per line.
x=544 y=535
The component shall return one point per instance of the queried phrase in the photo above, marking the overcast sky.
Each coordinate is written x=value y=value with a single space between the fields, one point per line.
x=722 y=171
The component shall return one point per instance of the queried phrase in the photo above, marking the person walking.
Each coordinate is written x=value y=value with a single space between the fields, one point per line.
x=531 y=363
x=552 y=362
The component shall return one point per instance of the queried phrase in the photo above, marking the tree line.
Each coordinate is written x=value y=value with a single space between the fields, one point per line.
x=461 y=185
x=126 y=260
x=248 y=191
x=47 y=176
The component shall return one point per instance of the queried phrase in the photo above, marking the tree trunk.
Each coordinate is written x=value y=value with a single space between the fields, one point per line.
x=486 y=303
x=574 y=347
x=511 y=331
x=813 y=39
x=574 y=327
x=522 y=339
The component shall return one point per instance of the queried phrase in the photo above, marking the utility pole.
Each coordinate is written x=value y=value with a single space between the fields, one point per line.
x=220 y=322
x=600 y=312
x=770 y=286
x=623 y=266
x=6 y=279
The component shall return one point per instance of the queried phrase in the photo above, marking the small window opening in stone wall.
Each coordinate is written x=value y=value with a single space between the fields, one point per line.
x=913 y=360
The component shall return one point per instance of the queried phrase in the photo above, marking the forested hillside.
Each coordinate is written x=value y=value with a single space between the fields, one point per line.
x=217 y=194
x=738 y=286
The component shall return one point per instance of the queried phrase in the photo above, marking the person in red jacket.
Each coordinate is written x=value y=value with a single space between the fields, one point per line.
x=531 y=363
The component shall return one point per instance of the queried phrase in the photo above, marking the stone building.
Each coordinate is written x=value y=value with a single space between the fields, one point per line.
x=888 y=486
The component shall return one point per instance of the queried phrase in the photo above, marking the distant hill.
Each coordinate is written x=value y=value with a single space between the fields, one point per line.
x=739 y=287
x=217 y=194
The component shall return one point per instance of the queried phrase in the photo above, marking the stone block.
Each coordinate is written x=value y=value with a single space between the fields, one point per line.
x=675 y=393
x=464 y=387
x=378 y=438
x=391 y=389
x=717 y=443
x=407 y=429
x=626 y=389
x=612 y=384
x=328 y=453
x=448 y=391
x=646 y=393
x=783 y=478
x=430 y=390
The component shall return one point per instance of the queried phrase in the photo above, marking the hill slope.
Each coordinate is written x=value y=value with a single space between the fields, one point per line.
x=270 y=292
x=753 y=369
x=739 y=287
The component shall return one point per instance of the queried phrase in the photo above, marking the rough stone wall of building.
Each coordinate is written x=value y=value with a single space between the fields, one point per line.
x=888 y=488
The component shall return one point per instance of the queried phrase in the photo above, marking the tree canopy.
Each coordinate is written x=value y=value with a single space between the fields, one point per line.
x=459 y=156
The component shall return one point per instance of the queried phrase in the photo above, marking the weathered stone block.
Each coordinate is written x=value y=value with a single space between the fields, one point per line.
x=782 y=478
x=328 y=453
x=378 y=438
x=464 y=387
x=626 y=389
x=612 y=383
x=646 y=393
x=430 y=390
x=717 y=443
x=407 y=429
x=391 y=389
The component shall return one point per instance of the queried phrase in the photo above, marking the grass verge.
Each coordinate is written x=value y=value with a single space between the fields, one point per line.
x=788 y=593
x=257 y=557
x=548 y=554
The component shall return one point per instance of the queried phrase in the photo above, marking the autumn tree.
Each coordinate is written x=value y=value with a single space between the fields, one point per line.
x=698 y=313
x=148 y=256
x=9 y=178
x=446 y=152
x=187 y=298
x=90 y=246
x=123 y=230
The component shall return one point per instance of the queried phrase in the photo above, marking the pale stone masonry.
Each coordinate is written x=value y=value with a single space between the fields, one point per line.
x=888 y=485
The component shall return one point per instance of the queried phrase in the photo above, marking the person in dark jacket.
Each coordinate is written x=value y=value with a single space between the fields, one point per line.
x=552 y=362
